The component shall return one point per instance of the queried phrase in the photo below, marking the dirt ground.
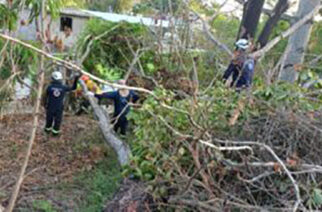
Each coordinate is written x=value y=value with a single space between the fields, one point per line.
x=55 y=161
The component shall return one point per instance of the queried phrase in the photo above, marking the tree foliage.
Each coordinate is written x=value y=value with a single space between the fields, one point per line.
x=113 y=50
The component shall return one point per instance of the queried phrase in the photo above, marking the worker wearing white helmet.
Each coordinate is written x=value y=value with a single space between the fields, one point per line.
x=56 y=75
x=242 y=44
x=54 y=101
x=241 y=67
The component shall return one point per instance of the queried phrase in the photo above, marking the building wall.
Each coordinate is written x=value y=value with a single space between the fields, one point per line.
x=29 y=32
x=78 y=25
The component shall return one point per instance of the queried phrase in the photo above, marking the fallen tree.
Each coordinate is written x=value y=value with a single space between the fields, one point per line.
x=120 y=147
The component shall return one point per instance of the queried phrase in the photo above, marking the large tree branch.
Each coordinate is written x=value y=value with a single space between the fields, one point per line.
x=286 y=33
x=211 y=37
x=88 y=48
x=279 y=9
x=41 y=75
x=270 y=12
x=72 y=65
x=250 y=20
x=120 y=147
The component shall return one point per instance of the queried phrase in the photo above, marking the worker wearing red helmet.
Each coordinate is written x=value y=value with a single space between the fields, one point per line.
x=91 y=86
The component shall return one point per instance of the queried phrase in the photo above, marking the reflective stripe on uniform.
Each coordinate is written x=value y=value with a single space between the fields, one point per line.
x=55 y=132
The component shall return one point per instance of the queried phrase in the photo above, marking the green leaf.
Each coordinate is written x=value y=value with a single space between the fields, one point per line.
x=181 y=151
x=317 y=197
x=150 y=66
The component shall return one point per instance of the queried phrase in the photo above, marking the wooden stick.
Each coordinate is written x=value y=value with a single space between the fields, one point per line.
x=41 y=76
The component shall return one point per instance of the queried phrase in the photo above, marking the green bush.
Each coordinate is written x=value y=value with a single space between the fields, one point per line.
x=157 y=148
x=110 y=51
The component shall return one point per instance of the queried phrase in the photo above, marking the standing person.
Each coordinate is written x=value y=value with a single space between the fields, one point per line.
x=241 y=67
x=122 y=98
x=54 y=102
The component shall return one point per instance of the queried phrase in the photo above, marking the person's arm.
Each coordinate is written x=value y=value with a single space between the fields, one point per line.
x=45 y=97
x=228 y=71
x=248 y=73
x=67 y=88
x=108 y=95
x=135 y=97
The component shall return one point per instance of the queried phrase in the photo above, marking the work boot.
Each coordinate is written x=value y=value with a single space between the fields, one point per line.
x=47 y=130
x=55 y=132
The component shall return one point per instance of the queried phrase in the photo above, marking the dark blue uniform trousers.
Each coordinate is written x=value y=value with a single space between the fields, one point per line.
x=121 y=123
x=54 y=117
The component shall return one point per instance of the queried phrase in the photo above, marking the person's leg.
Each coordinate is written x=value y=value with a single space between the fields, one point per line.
x=58 y=120
x=49 y=120
x=116 y=124
x=82 y=106
x=123 y=125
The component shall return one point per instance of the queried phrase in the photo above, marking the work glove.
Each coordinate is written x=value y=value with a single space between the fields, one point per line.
x=90 y=94
x=77 y=75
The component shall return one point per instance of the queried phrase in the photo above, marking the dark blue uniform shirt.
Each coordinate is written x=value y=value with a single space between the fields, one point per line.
x=243 y=75
x=120 y=102
x=55 y=95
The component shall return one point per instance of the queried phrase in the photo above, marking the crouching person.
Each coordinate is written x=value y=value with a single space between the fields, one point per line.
x=121 y=98
x=92 y=87
x=54 y=102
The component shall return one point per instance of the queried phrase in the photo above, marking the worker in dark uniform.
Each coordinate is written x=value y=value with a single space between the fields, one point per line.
x=54 y=102
x=122 y=98
x=241 y=67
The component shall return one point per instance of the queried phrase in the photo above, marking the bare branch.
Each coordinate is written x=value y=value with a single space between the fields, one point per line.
x=234 y=148
x=73 y=66
x=206 y=28
x=286 y=33
x=284 y=167
x=88 y=48
x=41 y=75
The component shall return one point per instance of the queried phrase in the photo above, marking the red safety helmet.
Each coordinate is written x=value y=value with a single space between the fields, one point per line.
x=85 y=78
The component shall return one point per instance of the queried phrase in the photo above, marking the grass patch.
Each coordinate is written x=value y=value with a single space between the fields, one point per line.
x=100 y=185
x=100 y=181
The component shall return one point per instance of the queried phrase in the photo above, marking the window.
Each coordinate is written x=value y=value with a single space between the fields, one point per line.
x=66 y=22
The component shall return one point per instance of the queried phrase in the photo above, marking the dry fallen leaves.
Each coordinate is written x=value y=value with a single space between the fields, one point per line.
x=277 y=168
x=236 y=113
x=56 y=155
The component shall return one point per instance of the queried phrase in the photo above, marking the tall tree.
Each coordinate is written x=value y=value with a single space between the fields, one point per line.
x=279 y=9
x=251 y=16
x=297 y=44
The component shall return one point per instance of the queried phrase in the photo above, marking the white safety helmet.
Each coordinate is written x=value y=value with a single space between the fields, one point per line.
x=242 y=44
x=56 y=75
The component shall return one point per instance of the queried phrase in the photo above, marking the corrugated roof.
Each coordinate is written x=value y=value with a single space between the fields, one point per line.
x=113 y=17
x=74 y=12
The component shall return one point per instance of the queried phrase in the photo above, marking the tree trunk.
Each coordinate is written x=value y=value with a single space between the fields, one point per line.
x=120 y=147
x=252 y=13
x=297 y=44
x=279 y=9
